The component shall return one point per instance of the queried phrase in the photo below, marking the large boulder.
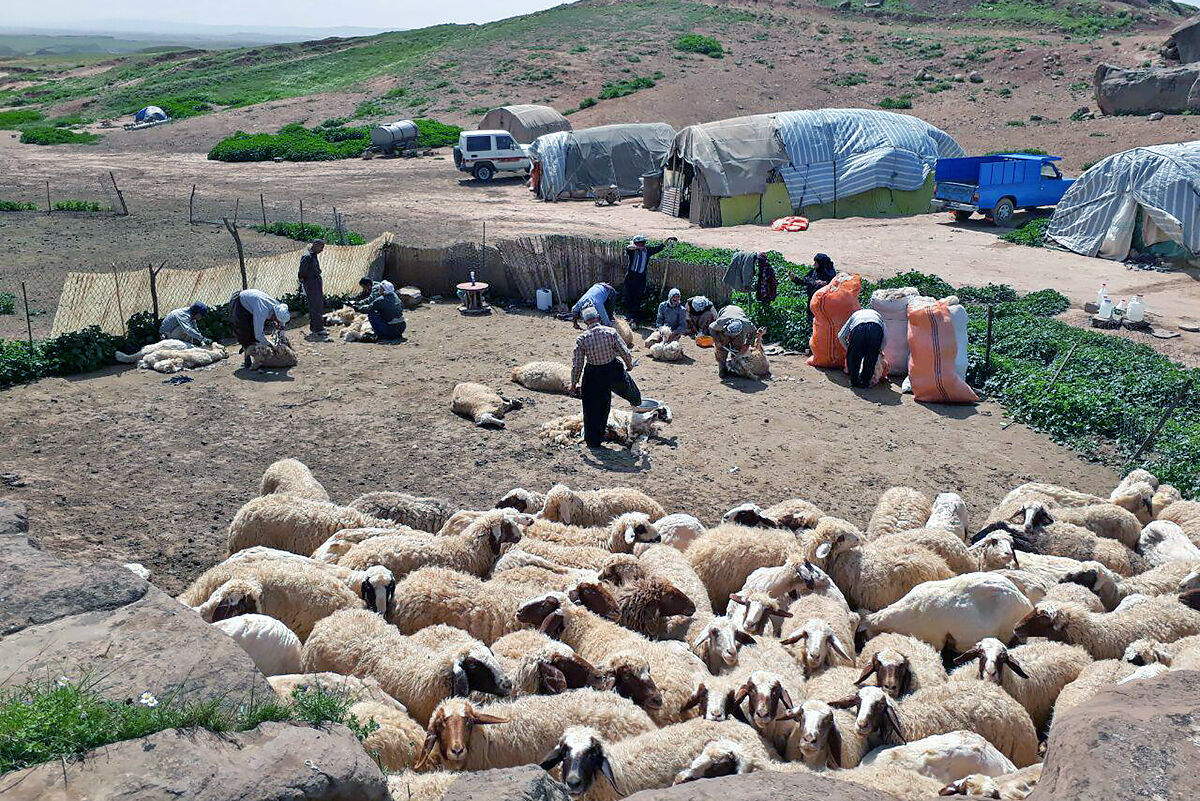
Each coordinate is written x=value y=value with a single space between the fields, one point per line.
x=526 y=783
x=765 y=786
x=274 y=762
x=1183 y=45
x=1133 y=742
x=1172 y=90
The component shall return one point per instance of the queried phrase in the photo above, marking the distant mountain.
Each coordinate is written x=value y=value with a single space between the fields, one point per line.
x=161 y=31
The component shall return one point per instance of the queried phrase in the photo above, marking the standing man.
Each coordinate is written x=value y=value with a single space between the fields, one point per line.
x=638 y=254
x=181 y=324
x=249 y=312
x=314 y=287
x=608 y=360
x=862 y=336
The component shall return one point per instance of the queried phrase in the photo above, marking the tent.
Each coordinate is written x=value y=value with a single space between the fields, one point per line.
x=820 y=163
x=150 y=114
x=525 y=123
x=1142 y=200
x=572 y=162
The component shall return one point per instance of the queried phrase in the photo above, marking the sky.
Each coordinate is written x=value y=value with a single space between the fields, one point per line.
x=383 y=14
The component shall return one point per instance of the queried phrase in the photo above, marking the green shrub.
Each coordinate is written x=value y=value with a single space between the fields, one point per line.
x=308 y=232
x=431 y=133
x=901 y=102
x=624 y=87
x=69 y=120
x=180 y=107
x=140 y=330
x=1032 y=233
x=79 y=205
x=19 y=365
x=80 y=351
x=15 y=205
x=696 y=43
x=8 y=303
x=11 y=120
x=293 y=143
x=49 y=135
x=1027 y=151
x=587 y=102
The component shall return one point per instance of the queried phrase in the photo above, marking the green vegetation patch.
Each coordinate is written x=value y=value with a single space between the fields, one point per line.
x=79 y=205
x=308 y=232
x=697 y=43
x=627 y=86
x=11 y=120
x=901 y=102
x=50 y=135
x=296 y=143
x=16 y=205
x=1032 y=233
x=8 y=303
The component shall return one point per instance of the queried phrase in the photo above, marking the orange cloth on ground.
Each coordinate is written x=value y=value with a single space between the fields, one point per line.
x=932 y=346
x=790 y=224
x=832 y=306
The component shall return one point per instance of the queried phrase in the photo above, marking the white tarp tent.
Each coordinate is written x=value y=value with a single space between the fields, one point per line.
x=572 y=162
x=1147 y=198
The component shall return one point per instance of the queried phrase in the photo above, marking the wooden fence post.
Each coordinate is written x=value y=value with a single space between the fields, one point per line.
x=987 y=358
x=237 y=207
x=1162 y=421
x=120 y=195
x=191 y=202
x=47 y=197
x=302 y=211
x=262 y=204
x=117 y=284
x=28 y=324
x=154 y=288
x=237 y=240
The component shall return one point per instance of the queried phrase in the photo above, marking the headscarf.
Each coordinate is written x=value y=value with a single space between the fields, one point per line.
x=824 y=267
x=700 y=304
x=387 y=287
x=735 y=327
x=639 y=239
x=199 y=309
x=674 y=293
x=282 y=313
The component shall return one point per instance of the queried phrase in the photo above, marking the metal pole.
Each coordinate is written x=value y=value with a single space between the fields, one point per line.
x=28 y=324
x=483 y=253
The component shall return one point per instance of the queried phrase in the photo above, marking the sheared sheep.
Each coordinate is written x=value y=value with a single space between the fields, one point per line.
x=274 y=647
x=898 y=509
x=1034 y=673
x=752 y=364
x=173 y=355
x=901 y=664
x=552 y=377
x=946 y=757
x=485 y=407
x=1016 y=786
x=292 y=477
x=1106 y=636
x=277 y=355
x=626 y=427
x=293 y=524
x=662 y=347
x=423 y=514
x=596 y=507
x=358 y=643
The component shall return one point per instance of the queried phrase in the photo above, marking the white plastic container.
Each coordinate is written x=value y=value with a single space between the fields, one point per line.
x=1137 y=310
x=1103 y=291
x=1120 y=310
x=545 y=300
x=1106 y=308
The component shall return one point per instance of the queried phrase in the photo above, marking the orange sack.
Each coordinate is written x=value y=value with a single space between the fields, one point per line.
x=832 y=306
x=933 y=344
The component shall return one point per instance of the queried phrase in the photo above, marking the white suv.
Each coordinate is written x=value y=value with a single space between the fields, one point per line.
x=485 y=153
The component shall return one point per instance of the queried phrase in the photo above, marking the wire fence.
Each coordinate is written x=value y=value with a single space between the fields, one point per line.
x=212 y=207
x=96 y=194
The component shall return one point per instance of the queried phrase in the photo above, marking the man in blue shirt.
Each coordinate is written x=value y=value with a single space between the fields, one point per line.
x=599 y=296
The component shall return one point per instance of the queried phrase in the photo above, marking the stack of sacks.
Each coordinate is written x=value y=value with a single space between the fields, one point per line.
x=937 y=343
x=832 y=306
x=892 y=305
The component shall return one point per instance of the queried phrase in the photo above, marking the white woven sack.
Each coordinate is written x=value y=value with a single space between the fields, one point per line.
x=892 y=305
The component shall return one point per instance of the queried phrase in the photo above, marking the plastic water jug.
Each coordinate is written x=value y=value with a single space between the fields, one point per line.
x=1120 y=310
x=1103 y=291
x=1137 y=310
x=1106 y=308
x=544 y=300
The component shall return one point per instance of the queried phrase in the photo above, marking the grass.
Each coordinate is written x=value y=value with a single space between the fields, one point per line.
x=627 y=86
x=1032 y=233
x=704 y=45
x=50 y=135
x=1027 y=151
x=79 y=205
x=901 y=102
x=12 y=120
x=16 y=205
x=45 y=721
x=308 y=232
x=296 y=143
x=8 y=303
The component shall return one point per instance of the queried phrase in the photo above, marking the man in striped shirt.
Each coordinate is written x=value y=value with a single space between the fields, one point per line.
x=607 y=362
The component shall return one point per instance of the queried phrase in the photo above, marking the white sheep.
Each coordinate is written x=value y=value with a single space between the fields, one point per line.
x=596 y=507
x=755 y=612
x=566 y=556
x=483 y=406
x=1187 y=515
x=292 y=477
x=619 y=535
x=794 y=514
x=522 y=500
x=409 y=785
x=662 y=347
x=822 y=633
x=959 y=611
x=898 y=509
x=274 y=647
x=1164 y=496
x=901 y=664
x=628 y=428
x=596 y=769
x=1163 y=541
x=678 y=530
x=293 y=524
x=462 y=736
x=1104 y=520
x=552 y=377
x=1034 y=674
x=423 y=514
x=1016 y=786
x=166 y=357
x=729 y=554
x=276 y=354
x=946 y=757
x=433 y=595
x=949 y=513
x=1106 y=636
x=359 y=643
x=823 y=737
x=718 y=643
x=1165 y=579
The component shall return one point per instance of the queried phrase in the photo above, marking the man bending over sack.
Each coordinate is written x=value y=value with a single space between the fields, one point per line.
x=385 y=313
x=608 y=360
x=732 y=332
x=862 y=336
x=181 y=324
x=249 y=312
x=601 y=297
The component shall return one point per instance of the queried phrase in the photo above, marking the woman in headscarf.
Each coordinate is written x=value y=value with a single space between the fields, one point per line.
x=700 y=313
x=819 y=276
x=386 y=314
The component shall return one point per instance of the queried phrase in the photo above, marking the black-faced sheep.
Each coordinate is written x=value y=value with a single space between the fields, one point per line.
x=522 y=500
x=483 y=406
x=1106 y=636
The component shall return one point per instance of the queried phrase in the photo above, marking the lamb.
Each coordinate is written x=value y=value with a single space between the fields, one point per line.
x=474 y=551
x=956 y=612
x=423 y=514
x=619 y=535
x=522 y=500
x=873 y=575
x=794 y=514
x=275 y=355
x=1163 y=541
x=946 y=757
x=901 y=664
x=1040 y=533
x=1015 y=786
x=1034 y=673
x=554 y=377
x=596 y=507
x=274 y=647
x=485 y=407
x=293 y=524
x=594 y=768
x=1106 y=636
x=292 y=477
x=359 y=643
x=729 y=553
x=975 y=706
x=898 y=509
x=432 y=595
x=753 y=363
x=462 y=736
x=172 y=355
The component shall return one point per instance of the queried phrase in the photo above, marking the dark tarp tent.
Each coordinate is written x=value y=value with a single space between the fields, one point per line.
x=572 y=162
x=525 y=123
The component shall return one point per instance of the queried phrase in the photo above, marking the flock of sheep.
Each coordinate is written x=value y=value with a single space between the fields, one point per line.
x=624 y=648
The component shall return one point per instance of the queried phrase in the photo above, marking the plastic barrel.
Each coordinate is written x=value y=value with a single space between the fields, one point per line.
x=544 y=299
x=651 y=190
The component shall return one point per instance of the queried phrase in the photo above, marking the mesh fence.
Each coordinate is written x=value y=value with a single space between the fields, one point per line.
x=212 y=206
x=83 y=194
x=109 y=299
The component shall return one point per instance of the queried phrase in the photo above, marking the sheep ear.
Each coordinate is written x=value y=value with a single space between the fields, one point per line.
x=1043 y=517
x=368 y=597
x=894 y=721
x=460 y=684
x=744 y=638
x=698 y=697
x=552 y=678
x=874 y=666
x=551 y=760
x=906 y=682
x=835 y=746
x=779 y=613
x=607 y=770
x=738 y=599
x=838 y=647
x=792 y=639
x=741 y=693
x=605 y=683
x=849 y=702
x=966 y=657
x=1015 y=667
x=823 y=550
x=484 y=719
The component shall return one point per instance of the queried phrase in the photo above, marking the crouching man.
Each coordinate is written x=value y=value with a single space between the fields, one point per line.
x=386 y=313
x=182 y=324
x=732 y=332
x=250 y=310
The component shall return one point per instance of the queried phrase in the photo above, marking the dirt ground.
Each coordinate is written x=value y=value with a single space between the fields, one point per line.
x=123 y=464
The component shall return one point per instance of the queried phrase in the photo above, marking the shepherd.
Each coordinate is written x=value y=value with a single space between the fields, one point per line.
x=249 y=312
x=606 y=373
x=313 y=287
x=182 y=324
x=638 y=253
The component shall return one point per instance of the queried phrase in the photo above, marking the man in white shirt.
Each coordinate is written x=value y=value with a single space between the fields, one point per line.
x=862 y=336
x=249 y=311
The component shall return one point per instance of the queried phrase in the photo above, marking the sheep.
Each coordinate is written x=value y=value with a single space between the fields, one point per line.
x=1106 y=636
x=1016 y=786
x=948 y=513
x=397 y=738
x=272 y=645
x=715 y=699
x=594 y=768
x=150 y=348
x=729 y=553
x=644 y=604
x=519 y=567
x=755 y=611
x=896 y=781
x=873 y=575
x=898 y=509
x=1164 y=496
x=949 y=546
x=956 y=612
x=277 y=354
x=1046 y=493
x=343 y=316
x=794 y=514
x=628 y=675
x=901 y=664
x=629 y=428
x=359 y=643
x=173 y=359
x=1112 y=589
x=474 y=551
x=1092 y=680
x=483 y=406
x=717 y=644
x=373 y=585
x=1146 y=651
x=580 y=557
x=462 y=736
x=1077 y=594
x=728 y=758
x=790 y=579
x=293 y=524
x=975 y=706
x=1041 y=533
x=823 y=737
x=662 y=347
x=832 y=683
x=1034 y=673
x=1163 y=541
x=1145 y=672
x=625 y=331
x=753 y=363
x=522 y=500
x=596 y=507
x=946 y=757
x=553 y=377
x=432 y=595
x=1187 y=515
x=821 y=631
x=359 y=329
x=423 y=514
x=1104 y=520
x=673 y=565
x=1136 y=497
x=619 y=535
x=768 y=698
x=292 y=477
x=334 y=548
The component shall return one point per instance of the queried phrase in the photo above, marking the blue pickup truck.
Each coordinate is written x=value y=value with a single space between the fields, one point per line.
x=998 y=185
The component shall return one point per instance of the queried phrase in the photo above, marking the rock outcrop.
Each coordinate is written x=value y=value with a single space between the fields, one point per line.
x=527 y=783
x=764 y=786
x=1183 y=45
x=1171 y=90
